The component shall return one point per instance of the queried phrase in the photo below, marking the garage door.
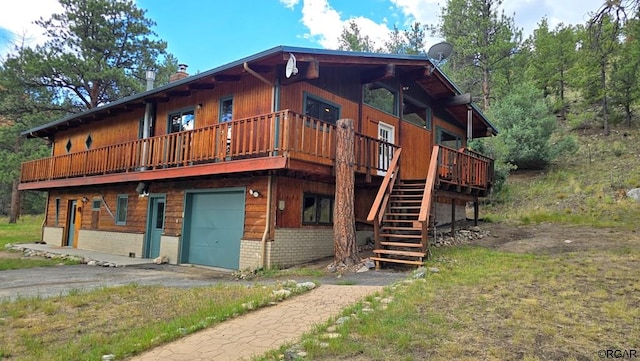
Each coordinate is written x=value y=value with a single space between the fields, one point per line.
x=214 y=225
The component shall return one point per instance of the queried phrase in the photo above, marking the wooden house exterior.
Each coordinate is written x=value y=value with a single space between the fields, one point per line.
x=234 y=167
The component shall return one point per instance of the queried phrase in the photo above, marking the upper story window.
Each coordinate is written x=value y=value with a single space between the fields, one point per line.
x=181 y=121
x=419 y=115
x=321 y=109
x=226 y=110
x=379 y=96
x=68 y=146
x=448 y=139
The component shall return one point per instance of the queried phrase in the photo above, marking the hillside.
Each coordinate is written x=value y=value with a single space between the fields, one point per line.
x=587 y=188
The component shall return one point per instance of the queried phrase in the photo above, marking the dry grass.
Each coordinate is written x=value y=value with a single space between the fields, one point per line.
x=490 y=305
x=121 y=321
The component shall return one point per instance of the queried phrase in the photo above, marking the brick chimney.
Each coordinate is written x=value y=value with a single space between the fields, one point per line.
x=181 y=74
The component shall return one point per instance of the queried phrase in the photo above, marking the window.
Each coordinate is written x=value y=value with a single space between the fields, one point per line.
x=122 y=204
x=449 y=139
x=88 y=141
x=68 y=146
x=57 y=211
x=181 y=121
x=380 y=97
x=321 y=109
x=226 y=110
x=95 y=205
x=317 y=209
x=416 y=114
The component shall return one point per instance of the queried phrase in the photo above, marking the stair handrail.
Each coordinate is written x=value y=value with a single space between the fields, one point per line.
x=382 y=198
x=432 y=179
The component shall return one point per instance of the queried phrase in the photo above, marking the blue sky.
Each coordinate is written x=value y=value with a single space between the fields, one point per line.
x=208 y=33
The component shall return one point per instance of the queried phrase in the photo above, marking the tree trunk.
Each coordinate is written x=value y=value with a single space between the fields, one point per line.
x=605 y=108
x=563 y=109
x=485 y=88
x=15 y=202
x=344 y=230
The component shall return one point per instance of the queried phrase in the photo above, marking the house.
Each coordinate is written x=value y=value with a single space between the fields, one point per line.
x=234 y=167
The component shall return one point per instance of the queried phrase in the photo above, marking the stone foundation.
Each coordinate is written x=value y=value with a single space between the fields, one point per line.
x=111 y=242
x=53 y=236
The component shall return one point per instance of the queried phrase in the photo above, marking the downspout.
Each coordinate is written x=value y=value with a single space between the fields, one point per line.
x=148 y=108
x=275 y=99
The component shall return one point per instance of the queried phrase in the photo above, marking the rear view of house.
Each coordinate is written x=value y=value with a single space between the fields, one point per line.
x=234 y=167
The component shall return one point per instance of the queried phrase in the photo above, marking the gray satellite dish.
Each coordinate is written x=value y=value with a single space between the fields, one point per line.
x=440 y=52
x=291 y=66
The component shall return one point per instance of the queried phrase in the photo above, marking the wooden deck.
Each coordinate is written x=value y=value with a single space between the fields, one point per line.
x=279 y=140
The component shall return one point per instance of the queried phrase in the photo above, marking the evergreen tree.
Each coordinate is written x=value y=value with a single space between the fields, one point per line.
x=352 y=39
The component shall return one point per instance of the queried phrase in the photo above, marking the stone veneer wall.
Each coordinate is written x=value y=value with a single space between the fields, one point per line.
x=53 y=236
x=443 y=213
x=111 y=242
x=170 y=247
x=296 y=245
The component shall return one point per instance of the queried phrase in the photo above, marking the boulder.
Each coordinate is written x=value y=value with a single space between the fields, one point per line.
x=634 y=194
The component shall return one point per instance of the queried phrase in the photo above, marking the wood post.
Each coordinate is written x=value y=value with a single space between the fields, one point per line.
x=344 y=231
x=453 y=217
x=475 y=212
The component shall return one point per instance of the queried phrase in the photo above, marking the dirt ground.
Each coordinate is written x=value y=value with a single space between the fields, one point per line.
x=553 y=239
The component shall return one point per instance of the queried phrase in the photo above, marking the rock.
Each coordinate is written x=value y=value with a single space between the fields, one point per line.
x=419 y=273
x=302 y=354
x=332 y=268
x=567 y=241
x=342 y=320
x=92 y=263
x=323 y=345
x=367 y=310
x=282 y=293
x=369 y=263
x=434 y=269
x=306 y=285
x=331 y=335
x=363 y=269
x=331 y=329
x=634 y=194
x=386 y=300
x=108 y=357
x=161 y=260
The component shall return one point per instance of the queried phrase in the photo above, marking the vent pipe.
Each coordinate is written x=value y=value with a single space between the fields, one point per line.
x=151 y=77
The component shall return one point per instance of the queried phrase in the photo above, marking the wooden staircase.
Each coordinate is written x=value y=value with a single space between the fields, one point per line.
x=403 y=212
x=401 y=238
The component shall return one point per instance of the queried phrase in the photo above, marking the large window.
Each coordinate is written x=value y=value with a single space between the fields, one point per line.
x=181 y=121
x=321 y=109
x=122 y=205
x=416 y=114
x=317 y=209
x=380 y=97
x=449 y=139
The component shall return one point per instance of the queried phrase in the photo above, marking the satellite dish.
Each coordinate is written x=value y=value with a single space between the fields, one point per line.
x=291 y=66
x=440 y=52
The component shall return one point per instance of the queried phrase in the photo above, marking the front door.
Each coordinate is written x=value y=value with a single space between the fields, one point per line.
x=71 y=223
x=386 y=133
x=155 y=226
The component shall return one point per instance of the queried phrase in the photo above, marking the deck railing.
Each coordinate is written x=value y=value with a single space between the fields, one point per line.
x=465 y=168
x=279 y=134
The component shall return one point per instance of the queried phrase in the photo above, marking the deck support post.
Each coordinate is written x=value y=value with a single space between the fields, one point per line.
x=453 y=217
x=475 y=212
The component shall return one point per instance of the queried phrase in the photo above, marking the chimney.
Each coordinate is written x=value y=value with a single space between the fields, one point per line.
x=181 y=74
x=151 y=76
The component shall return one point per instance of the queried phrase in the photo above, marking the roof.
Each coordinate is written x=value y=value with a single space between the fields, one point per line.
x=45 y=129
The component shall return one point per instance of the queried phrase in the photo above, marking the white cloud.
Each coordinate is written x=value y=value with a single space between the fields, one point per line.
x=424 y=11
x=19 y=17
x=325 y=24
x=289 y=4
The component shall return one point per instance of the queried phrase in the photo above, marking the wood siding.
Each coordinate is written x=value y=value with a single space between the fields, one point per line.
x=255 y=208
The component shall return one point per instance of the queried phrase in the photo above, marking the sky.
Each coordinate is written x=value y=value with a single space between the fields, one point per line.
x=205 y=34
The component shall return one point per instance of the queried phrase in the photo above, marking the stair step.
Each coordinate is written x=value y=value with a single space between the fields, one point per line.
x=401 y=244
x=395 y=260
x=393 y=235
x=399 y=253
x=393 y=195
x=406 y=201
x=395 y=228
x=405 y=207
x=402 y=215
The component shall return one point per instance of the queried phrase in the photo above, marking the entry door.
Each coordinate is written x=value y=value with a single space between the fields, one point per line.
x=155 y=225
x=71 y=223
x=386 y=133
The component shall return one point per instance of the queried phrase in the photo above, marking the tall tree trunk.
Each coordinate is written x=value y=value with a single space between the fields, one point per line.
x=563 y=109
x=485 y=88
x=605 y=109
x=344 y=230
x=15 y=202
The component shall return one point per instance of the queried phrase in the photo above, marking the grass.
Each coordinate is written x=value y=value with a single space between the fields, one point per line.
x=587 y=188
x=21 y=263
x=121 y=321
x=489 y=305
x=27 y=229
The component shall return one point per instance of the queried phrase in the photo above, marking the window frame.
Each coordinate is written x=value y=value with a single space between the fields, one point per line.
x=318 y=199
x=93 y=204
x=181 y=112
x=119 y=210
x=220 y=109
x=440 y=131
x=307 y=95
x=57 y=202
